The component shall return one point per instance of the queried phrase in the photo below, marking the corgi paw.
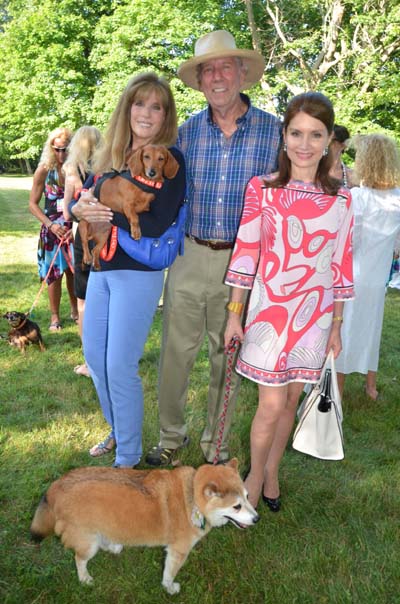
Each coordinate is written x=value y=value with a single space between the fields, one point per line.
x=115 y=548
x=86 y=579
x=172 y=588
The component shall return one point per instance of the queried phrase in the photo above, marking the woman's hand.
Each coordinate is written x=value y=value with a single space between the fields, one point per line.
x=334 y=340
x=89 y=208
x=60 y=231
x=233 y=329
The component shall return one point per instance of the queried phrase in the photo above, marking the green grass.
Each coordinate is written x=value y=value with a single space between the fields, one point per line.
x=336 y=540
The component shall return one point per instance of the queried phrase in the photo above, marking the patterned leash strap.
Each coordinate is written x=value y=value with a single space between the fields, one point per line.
x=45 y=279
x=230 y=351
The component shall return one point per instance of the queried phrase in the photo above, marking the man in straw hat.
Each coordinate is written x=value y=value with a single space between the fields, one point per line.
x=224 y=146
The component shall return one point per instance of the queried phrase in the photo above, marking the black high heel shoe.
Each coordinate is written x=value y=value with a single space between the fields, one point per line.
x=274 y=503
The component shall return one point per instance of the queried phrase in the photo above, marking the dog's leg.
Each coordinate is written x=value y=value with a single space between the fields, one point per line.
x=81 y=567
x=84 y=231
x=141 y=204
x=96 y=255
x=108 y=546
x=83 y=554
x=85 y=546
x=21 y=345
x=100 y=236
x=173 y=563
x=136 y=233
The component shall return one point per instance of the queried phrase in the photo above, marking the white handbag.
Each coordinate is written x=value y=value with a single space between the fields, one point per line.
x=319 y=430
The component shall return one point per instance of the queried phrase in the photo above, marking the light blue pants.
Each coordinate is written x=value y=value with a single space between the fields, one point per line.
x=119 y=311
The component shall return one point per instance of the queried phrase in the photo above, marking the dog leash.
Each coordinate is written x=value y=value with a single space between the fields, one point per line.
x=45 y=279
x=68 y=256
x=230 y=352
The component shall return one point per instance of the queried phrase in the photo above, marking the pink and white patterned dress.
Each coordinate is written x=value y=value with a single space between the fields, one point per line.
x=293 y=250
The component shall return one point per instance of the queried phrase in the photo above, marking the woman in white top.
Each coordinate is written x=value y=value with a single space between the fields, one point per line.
x=376 y=204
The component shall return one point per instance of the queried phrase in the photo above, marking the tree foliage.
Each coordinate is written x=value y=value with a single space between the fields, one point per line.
x=66 y=61
x=348 y=49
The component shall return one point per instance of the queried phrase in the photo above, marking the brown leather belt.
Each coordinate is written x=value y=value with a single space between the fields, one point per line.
x=214 y=245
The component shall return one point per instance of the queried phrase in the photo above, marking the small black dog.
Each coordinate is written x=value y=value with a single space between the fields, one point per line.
x=23 y=331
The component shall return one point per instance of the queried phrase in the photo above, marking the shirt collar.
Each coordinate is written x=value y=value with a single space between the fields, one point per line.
x=242 y=119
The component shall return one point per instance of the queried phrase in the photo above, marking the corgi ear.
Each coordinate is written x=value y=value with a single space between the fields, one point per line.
x=211 y=490
x=171 y=166
x=135 y=163
x=233 y=463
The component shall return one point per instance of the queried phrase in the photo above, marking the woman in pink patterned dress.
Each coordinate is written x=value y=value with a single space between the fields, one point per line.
x=293 y=251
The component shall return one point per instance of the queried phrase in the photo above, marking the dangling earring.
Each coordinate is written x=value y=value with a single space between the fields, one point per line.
x=326 y=151
x=285 y=148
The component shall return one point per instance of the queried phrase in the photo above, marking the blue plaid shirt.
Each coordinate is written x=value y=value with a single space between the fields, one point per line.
x=218 y=169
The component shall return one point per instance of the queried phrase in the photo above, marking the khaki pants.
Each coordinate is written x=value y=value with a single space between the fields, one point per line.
x=195 y=300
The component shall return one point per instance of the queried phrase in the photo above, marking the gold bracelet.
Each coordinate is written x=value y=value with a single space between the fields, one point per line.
x=337 y=319
x=236 y=307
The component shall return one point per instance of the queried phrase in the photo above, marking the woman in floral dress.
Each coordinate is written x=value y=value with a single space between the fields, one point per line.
x=293 y=251
x=49 y=180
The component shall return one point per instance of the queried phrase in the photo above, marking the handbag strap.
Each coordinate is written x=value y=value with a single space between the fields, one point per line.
x=325 y=401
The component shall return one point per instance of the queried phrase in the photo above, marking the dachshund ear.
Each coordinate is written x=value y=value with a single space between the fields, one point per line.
x=171 y=166
x=135 y=163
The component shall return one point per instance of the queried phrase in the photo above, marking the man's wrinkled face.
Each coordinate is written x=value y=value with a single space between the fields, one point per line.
x=221 y=81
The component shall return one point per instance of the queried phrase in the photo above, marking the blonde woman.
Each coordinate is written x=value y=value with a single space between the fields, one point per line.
x=376 y=228
x=77 y=168
x=122 y=297
x=49 y=180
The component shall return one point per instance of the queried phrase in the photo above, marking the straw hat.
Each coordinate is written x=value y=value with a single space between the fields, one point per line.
x=216 y=45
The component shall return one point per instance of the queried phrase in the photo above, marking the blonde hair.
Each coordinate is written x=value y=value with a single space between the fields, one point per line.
x=85 y=142
x=118 y=137
x=377 y=163
x=48 y=157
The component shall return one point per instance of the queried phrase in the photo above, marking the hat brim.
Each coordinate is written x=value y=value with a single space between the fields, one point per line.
x=254 y=62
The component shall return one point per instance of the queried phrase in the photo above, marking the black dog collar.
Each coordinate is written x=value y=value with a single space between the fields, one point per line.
x=146 y=185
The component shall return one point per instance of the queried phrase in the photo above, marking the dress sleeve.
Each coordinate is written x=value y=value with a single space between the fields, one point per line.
x=342 y=260
x=246 y=252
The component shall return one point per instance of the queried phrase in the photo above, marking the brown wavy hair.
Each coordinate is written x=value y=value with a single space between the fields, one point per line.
x=377 y=163
x=118 y=137
x=318 y=106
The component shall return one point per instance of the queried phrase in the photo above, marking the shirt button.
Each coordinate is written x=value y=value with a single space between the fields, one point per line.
x=222 y=177
x=218 y=224
x=219 y=200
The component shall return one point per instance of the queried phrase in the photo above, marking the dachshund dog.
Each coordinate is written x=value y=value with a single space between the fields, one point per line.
x=149 y=165
x=23 y=331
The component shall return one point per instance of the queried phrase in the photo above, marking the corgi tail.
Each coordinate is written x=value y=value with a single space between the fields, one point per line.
x=43 y=521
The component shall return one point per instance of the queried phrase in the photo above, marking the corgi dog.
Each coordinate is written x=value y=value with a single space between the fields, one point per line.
x=108 y=508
